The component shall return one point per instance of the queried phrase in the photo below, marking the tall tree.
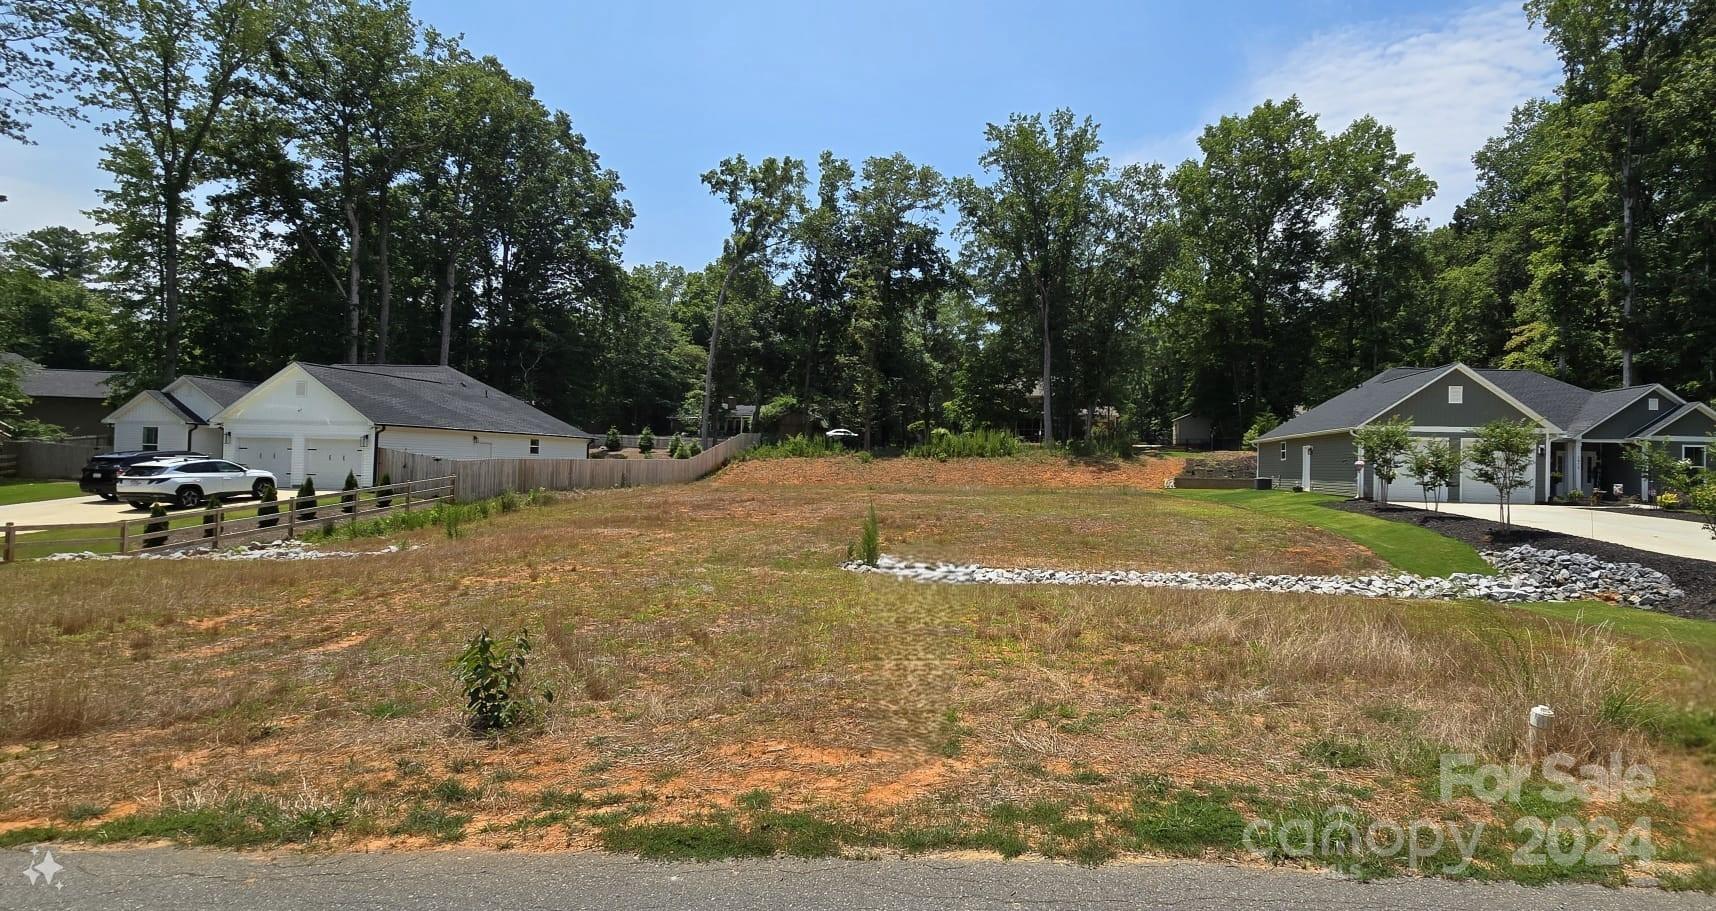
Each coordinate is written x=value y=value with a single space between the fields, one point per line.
x=762 y=203
x=1028 y=228
x=30 y=77
x=168 y=68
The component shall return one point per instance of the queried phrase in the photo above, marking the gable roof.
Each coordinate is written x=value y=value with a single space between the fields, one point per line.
x=1556 y=401
x=1675 y=415
x=440 y=398
x=1359 y=404
x=222 y=390
x=174 y=405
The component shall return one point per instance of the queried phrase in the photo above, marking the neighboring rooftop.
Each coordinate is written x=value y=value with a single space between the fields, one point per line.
x=222 y=390
x=438 y=397
x=38 y=382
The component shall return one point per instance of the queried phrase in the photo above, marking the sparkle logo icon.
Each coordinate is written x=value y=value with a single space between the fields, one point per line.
x=43 y=869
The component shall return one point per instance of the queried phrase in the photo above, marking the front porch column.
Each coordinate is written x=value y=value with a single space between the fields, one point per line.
x=1575 y=466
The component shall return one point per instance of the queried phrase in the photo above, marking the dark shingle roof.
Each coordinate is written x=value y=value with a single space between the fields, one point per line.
x=436 y=397
x=174 y=405
x=1665 y=420
x=1602 y=405
x=1559 y=402
x=38 y=382
x=222 y=390
x=1356 y=405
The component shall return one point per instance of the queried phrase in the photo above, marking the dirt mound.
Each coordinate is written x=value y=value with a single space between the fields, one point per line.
x=1025 y=471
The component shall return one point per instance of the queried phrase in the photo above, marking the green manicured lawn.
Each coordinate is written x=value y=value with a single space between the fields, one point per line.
x=1406 y=547
x=13 y=490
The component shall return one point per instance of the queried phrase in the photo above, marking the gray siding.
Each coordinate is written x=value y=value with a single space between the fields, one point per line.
x=1696 y=424
x=1634 y=417
x=1331 y=462
x=1430 y=408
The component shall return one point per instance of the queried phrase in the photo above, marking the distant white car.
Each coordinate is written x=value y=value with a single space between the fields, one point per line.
x=189 y=482
x=841 y=433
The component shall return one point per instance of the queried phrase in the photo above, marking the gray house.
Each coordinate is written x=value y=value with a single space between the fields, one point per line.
x=1584 y=432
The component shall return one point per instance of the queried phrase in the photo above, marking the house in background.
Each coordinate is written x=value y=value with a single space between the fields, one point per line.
x=177 y=416
x=1583 y=433
x=321 y=421
x=1193 y=431
x=73 y=400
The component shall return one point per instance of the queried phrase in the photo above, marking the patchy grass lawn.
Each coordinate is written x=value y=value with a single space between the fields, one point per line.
x=1406 y=547
x=723 y=688
x=14 y=490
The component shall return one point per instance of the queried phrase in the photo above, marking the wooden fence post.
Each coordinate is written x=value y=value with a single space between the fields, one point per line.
x=11 y=543
x=220 y=520
x=124 y=535
x=291 y=518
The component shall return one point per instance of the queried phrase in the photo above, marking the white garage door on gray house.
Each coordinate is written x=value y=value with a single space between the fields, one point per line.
x=1583 y=433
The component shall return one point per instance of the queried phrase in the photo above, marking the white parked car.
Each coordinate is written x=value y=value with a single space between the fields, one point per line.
x=841 y=433
x=189 y=482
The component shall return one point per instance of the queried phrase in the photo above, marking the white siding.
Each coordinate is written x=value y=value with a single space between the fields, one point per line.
x=193 y=398
x=146 y=412
x=274 y=411
x=462 y=444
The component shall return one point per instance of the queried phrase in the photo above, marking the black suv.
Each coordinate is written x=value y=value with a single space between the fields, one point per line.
x=102 y=472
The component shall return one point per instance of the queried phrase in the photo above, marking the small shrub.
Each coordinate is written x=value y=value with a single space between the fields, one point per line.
x=509 y=501
x=384 y=496
x=348 y=501
x=613 y=441
x=972 y=444
x=798 y=446
x=270 y=507
x=692 y=447
x=210 y=512
x=646 y=441
x=492 y=677
x=452 y=517
x=306 y=491
x=868 y=551
x=157 y=526
x=1668 y=500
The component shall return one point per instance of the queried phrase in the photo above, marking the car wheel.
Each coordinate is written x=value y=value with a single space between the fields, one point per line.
x=109 y=497
x=139 y=504
x=190 y=497
x=262 y=488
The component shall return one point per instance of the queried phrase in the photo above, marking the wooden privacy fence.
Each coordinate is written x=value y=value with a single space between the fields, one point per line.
x=226 y=525
x=41 y=460
x=483 y=478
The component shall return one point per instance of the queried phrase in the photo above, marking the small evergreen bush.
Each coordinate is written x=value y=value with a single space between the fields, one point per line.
x=384 y=496
x=210 y=508
x=646 y=441
x=270 y=507
x=306 y=491
x=972 y=444
x=868 y=550
x=348 y=501
x=158 y=525
x=613 y=441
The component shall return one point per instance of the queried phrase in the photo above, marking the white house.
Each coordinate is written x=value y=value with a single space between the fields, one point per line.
x=176 y=417
x=322 y=421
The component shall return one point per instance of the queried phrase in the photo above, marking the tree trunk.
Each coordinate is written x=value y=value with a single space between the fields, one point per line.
x=1627 y=290
x=384 y=292
x=1048 y=412
x=709 y=368
x=449 y=274
x=170 y=289
x=354 y=275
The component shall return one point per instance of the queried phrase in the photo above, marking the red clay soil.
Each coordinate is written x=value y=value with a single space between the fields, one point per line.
x=1026 y=471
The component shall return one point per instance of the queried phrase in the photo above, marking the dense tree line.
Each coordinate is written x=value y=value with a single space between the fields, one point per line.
x=332 y=180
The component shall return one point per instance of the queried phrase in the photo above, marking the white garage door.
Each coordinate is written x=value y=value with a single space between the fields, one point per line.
x=267 y=453
x=1473 y=490
x=327 y=461
x=1404 y=488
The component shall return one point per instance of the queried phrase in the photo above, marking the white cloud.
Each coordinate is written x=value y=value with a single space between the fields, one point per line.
x=1445 y=87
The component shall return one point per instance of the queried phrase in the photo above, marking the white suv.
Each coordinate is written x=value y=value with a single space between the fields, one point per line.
x=189 y=482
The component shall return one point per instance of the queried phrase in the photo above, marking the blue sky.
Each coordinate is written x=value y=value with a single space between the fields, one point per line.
x=664 y=90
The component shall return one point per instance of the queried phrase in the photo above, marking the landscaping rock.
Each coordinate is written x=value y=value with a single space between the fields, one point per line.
x=1526 y=574
x=271 y=550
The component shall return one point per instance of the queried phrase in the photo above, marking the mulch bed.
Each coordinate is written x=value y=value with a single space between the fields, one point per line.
x=1695 y=577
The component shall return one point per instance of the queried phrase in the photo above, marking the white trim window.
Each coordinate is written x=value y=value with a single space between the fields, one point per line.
x=1696 y=455
x=151 y=439
x=1456 y=395
x=1655 y=404
x=535 y=447
x=1283 y=452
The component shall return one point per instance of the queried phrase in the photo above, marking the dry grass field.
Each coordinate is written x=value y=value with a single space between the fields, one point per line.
x=722 y=687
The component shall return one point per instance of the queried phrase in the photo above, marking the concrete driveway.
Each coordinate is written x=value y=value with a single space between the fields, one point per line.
x=1641 y=531
x=87 y=509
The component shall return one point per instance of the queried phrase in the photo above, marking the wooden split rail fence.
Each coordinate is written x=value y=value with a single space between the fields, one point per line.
x=228 y=525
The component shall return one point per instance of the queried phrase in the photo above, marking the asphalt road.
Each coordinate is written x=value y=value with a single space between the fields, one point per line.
x=170 y=878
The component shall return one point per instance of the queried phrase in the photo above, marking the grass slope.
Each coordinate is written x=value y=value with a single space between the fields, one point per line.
x=1406 y=547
